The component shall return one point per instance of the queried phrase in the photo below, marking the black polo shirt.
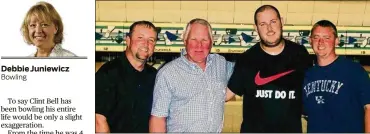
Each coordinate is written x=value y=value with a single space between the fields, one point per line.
x=124 y=95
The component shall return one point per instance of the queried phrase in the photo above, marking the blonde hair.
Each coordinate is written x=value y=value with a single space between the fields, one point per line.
x=46 y=12
x=198 y=21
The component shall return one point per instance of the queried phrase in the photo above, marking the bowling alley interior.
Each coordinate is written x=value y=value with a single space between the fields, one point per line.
x=232 y=28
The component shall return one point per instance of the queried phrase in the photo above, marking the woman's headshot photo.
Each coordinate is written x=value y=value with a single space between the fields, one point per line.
x=43 y=28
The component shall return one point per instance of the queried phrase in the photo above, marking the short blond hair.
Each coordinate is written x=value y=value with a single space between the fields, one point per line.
x=198 y=21
x=46 y=12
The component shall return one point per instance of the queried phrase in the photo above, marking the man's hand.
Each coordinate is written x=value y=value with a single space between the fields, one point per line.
x=101 y=124
x=229 y=94
x=367 y=118
x=157 y=124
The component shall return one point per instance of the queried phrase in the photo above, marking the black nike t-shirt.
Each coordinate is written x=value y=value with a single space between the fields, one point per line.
x=271 y=88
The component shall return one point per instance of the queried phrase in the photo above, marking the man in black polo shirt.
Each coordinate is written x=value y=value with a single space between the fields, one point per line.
x=269 y=76
x=124 y=86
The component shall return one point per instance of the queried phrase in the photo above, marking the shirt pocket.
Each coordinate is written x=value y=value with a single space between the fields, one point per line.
x=188 y=89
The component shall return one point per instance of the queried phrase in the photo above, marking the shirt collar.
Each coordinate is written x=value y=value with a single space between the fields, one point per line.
x=193 y=65
x=130 y=68
x=56 y=51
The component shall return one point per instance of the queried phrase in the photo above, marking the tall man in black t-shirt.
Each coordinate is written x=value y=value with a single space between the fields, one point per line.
x=269 y=76
x=124 y=86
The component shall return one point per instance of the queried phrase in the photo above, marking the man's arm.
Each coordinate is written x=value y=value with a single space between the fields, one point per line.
x=230 y=69
x=101 y=124
x=104 y=97
x=229 y=94
x=157 y=124
x=363 y=83
x=236 y=77
x=367 y=118
x=162 y=97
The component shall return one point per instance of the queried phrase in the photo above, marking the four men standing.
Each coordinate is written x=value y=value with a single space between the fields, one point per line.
x=188 y=93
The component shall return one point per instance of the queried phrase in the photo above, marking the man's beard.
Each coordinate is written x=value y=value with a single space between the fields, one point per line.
x=270 y=44
x=140 y=59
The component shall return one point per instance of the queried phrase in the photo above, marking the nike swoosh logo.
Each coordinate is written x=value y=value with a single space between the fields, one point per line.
x=262 y=81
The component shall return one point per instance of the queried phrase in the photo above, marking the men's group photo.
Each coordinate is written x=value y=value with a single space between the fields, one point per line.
x=232 y=66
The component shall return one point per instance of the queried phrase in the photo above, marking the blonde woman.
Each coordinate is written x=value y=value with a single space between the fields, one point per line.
x=43 y=28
